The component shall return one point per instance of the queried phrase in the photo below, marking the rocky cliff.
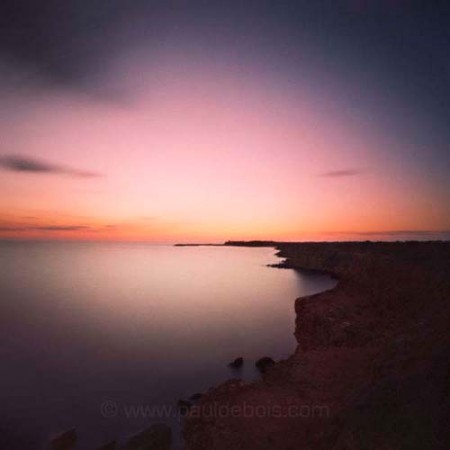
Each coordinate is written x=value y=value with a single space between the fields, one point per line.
x=371 y=369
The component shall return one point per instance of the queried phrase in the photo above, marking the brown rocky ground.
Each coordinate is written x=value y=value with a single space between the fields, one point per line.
x=371 y=369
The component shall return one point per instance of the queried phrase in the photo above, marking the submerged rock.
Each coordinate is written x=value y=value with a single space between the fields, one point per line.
x=65 y=441
x=237 y=363
x=156 y=437
x=264 y=363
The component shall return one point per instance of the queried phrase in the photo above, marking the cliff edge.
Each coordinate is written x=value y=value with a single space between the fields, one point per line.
x=371 y=369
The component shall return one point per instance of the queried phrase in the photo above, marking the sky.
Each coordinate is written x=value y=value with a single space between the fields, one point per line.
x=181 y=121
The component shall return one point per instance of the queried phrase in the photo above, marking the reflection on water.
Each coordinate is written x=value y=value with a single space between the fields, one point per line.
x=131 y=323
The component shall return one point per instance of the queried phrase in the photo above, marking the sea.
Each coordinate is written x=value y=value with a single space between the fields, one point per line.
x=106 y=338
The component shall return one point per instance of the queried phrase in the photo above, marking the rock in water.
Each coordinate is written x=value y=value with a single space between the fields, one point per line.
x=237 y=363
x=264 y=363
x=184 y=404
x=156 y=437
x=65 y=441
x=195 y=397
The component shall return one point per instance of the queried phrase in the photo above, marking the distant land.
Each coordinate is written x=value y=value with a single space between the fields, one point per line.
x=198 y=245
x=269 y=243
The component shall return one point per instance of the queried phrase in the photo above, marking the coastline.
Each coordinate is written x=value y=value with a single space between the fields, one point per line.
x=366 y=351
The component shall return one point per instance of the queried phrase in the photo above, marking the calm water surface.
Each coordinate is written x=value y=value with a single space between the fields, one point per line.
x=130 y=324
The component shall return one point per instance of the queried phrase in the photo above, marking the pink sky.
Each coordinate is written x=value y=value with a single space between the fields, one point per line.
x=207 y=153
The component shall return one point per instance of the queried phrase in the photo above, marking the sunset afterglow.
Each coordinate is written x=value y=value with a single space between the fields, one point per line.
x=206 y=142
x=224 y=225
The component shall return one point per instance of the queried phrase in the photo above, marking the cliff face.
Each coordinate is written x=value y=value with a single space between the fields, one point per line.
x=371 y=369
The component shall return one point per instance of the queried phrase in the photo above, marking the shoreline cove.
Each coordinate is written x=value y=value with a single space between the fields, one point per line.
x=271 y=333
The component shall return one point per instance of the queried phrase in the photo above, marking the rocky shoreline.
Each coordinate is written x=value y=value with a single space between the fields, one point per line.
x=371 y=369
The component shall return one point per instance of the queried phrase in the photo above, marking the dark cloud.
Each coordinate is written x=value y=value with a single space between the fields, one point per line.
x=405 y=233
x=341 y=173
x=62 y=228
x=25 y=164
x=395 y=235
x=48 y=228
x=66 y=40
x=12 y=229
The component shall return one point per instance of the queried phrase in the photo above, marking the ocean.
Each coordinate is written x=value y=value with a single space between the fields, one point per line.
x=107 y=337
